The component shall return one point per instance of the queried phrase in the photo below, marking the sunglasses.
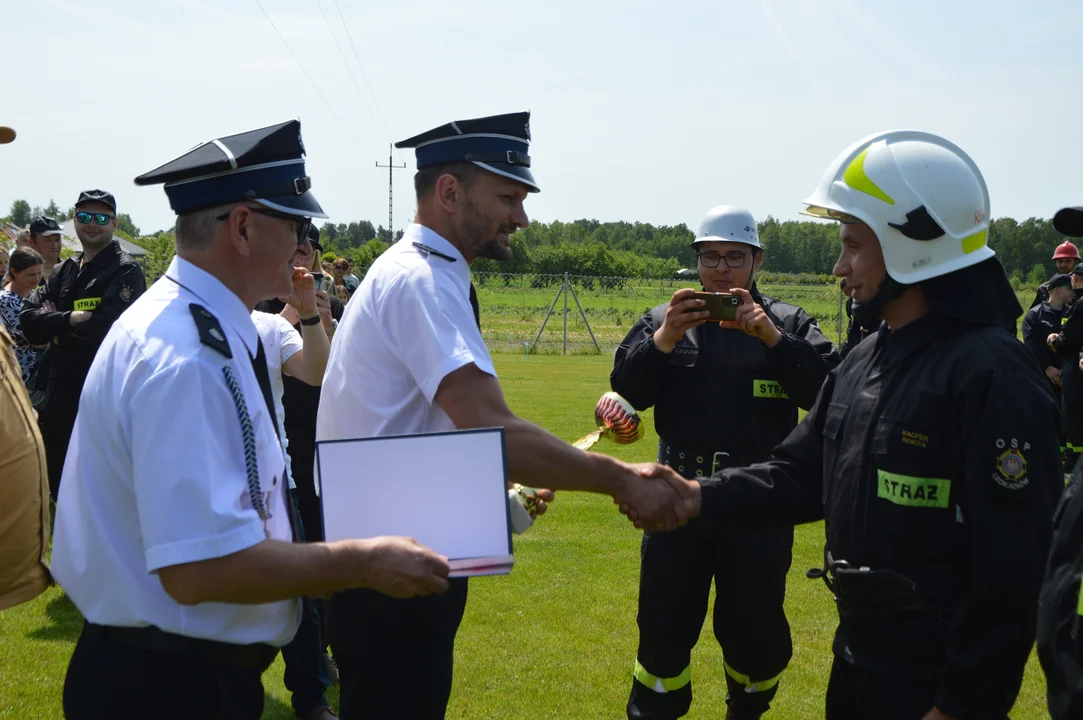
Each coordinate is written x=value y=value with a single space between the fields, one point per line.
x=98 y=218
x=304 y=225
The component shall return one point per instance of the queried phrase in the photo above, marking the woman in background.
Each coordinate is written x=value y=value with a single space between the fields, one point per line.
x=23 y=275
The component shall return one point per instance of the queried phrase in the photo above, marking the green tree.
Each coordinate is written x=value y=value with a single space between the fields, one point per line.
x=53 y=210
x=126 y=224
x=20 y=213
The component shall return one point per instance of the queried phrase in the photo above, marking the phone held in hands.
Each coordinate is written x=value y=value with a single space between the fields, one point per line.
x=722 y=306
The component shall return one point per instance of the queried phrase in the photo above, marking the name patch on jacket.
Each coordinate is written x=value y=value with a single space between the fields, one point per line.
x=913 y=491
x=768 y=389
x=87 y=303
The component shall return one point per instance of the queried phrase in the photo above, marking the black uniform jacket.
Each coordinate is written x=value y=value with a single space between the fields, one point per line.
x=106 y=286
x=722 y=389
x=931 y=451
x=1039 y=323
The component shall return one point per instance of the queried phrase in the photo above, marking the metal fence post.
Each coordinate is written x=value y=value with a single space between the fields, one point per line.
x=565 y=313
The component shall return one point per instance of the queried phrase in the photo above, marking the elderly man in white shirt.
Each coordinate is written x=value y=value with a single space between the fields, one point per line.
x=409 y=358
x=173 y=527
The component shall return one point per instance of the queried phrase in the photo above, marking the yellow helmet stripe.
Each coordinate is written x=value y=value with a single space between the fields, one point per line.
x=974 y=242
x=856 y=178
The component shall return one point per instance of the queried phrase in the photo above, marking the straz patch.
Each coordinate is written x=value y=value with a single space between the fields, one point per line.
x=126 y=292
x=86 y=303
x=1011 y=464
x=913 y=491
x=768 y=389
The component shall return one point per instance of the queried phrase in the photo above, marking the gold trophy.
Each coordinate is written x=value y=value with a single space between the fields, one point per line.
x=616 y=419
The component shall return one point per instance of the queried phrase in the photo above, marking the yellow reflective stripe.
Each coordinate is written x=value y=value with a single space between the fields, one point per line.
x=856 y=178
x=662 y=685
x=751 y=687
x=974 y=242
x=768 y=389
x=1079 y=604
x=913 y=491
x=87 y=303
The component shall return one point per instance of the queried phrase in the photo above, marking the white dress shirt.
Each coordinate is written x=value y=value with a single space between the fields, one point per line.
x=155 y=474
x=407 y=327
x=281 y=341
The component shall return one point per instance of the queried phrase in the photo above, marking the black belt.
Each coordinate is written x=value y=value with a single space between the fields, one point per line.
x=699 y=463
x=257 y=657
x=864 y=592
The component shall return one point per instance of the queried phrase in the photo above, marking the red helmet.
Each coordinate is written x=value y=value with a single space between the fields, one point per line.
x=1066 y=250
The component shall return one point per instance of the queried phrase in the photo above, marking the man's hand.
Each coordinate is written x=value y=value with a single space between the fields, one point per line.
x=79 y=317
x=1054 y=373
x=48 y=306
x=1051 y=340
x=323 y=307
x=401 y=567
x=650 y=502
x=935 y=714
x=682 y=314
x=752 y=319
x=303 y=298
x=687 y=491
x=541 y=504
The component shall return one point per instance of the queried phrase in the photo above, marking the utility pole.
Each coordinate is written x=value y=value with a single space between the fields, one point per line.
x=390 y=190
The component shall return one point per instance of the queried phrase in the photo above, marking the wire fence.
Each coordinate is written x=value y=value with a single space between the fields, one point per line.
x=579 y=314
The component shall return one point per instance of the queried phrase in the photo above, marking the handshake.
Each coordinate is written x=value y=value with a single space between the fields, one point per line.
x=654 y=497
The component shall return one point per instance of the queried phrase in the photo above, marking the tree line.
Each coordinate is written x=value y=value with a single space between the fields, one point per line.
x=624 y=249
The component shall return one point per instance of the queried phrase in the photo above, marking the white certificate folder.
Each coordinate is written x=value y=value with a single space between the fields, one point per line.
x=448 y=491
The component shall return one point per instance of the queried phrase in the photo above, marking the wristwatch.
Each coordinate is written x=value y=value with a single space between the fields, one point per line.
x=314 y=320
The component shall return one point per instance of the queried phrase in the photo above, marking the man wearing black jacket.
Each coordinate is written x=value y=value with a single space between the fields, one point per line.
x=722 y=397
x=1060 y=618
x=930 y=454
x=72 y=312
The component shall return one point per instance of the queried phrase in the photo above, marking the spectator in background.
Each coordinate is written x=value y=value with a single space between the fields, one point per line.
x=342 y=294
x=352 y=281
x=73 y=311
x=25 y=272
x=45 y=237
x=4 y=258
x=22 y=239
x=340 y=268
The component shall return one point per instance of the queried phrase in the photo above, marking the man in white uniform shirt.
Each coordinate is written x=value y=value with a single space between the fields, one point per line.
x=409 y=358
x=173 y=528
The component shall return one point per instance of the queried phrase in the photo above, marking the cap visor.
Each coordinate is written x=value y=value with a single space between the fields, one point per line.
x=299 y=205
x=1069 y=221
x=515 y=172
x=52 y=232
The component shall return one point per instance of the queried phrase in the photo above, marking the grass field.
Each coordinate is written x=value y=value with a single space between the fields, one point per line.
x=556 y=638
x=512 y=311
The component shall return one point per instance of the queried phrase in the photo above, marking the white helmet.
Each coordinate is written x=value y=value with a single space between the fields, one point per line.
x=727 y=223
x=924 y=198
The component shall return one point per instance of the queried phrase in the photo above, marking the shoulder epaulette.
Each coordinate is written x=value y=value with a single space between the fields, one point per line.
x=210 y=332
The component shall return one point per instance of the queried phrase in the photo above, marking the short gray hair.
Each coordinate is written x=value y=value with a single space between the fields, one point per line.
x=196 y=230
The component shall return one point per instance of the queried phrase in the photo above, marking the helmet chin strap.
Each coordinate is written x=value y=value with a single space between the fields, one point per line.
x=869 y=314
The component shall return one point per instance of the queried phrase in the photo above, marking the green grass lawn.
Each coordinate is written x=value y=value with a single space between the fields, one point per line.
x=557 y=637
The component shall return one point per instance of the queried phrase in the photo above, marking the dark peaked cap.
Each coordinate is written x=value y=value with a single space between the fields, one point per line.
x=265 y=166
x=497 y=143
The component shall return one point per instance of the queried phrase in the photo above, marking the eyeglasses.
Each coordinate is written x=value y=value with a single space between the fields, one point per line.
x=98 y=218
x=733 y=259
x=304 y=225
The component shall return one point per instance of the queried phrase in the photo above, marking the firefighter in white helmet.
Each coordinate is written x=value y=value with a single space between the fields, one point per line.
x=721 y=397
x=931 y=453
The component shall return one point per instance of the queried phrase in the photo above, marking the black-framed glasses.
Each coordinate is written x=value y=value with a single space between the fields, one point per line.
x=733 y=259
x=98 y=218
x=304 y=225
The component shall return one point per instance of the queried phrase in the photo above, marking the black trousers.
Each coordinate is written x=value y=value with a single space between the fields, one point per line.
x=117 y=681
x=395 y=657
x=855 y=693
x=56 y=422
x=749 y=571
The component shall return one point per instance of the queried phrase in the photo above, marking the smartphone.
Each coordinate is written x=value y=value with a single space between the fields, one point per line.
x=722 y=306
x=318 y=277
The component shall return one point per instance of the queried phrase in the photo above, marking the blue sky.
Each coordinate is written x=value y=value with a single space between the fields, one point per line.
x=641 y=111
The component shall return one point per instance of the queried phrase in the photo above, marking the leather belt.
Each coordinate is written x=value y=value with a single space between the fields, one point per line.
x=257 y=656
x=698 y=463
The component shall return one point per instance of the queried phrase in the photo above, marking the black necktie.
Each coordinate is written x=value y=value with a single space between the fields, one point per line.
x=263 y=377
x=474 y=305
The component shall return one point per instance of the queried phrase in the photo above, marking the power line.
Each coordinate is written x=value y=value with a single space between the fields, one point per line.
x=349 y=69
x=312 y=82
x=349 y=36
